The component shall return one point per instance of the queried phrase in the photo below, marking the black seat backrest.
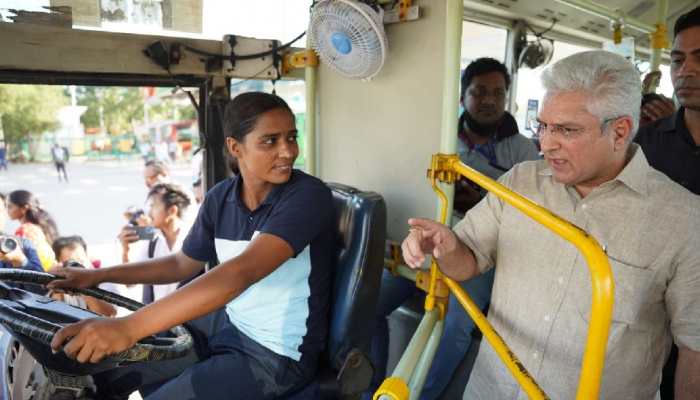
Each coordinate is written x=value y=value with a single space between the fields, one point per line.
x=362 y=233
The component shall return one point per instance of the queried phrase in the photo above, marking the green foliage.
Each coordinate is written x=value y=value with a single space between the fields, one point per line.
x=170 y=105
x=29 y=110
x=120 y=107
x=123 y=107
x=187 y=112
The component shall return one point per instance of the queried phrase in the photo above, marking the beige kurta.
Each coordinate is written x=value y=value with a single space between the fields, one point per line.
x=650 y=229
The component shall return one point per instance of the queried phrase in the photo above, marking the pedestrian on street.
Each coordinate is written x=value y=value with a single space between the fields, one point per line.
x=3 y=156
x=60 y=157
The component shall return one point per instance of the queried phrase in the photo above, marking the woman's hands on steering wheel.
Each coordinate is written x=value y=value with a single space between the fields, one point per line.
x=74 y=278
x=89 y=340
x=92 y=340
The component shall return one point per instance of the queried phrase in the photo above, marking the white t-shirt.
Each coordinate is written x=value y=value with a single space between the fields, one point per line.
x=161 y=249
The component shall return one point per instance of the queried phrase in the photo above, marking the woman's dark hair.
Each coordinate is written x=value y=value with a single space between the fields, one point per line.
x=171 y=195
x=35 y=214
x=243 y=111
x=687 y=20
x=482 y=66
x=70 y=242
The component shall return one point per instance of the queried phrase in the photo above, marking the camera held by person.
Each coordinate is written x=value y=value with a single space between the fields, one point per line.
x=8 y=244
x=138 y=228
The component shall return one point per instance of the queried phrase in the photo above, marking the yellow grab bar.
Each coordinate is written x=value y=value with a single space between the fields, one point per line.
x=509 y=359
x=598 y=265
x=516 y=368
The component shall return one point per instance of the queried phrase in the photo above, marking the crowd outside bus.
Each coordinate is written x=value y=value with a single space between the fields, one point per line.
x=41 y=248
x=37 y=233
x=72 y=251
x=155 y=172
x=166 y=216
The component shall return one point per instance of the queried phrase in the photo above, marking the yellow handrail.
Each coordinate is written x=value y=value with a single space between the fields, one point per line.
x=441 y=170
x=601 y=281
x=446 y=168
x=516 y=368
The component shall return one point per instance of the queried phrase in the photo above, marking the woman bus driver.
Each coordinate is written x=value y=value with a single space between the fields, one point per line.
x=271 y=232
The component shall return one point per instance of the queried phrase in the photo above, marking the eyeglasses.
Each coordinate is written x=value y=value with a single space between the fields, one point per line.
x=540 y=128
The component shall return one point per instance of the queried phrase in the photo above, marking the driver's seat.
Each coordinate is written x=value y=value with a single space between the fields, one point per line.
x=345 y=369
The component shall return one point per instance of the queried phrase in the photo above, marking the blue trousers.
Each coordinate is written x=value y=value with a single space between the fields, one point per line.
x=226 y=364
x=455 y=340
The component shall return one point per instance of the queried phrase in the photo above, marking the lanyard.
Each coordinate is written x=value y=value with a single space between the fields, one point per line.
x=488 y=150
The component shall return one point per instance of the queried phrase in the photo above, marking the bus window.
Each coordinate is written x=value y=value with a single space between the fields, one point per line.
x=529 y=88
x=479 y=40
x=108 y=132
x=665 y=85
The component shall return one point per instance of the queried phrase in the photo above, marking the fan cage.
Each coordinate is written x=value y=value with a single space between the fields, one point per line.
x=362 y=25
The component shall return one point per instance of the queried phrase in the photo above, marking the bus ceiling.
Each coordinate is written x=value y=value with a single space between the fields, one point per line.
x=70 y=37
x=585 y=22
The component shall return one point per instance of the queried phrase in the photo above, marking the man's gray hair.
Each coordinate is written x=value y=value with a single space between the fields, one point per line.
x=611 y=80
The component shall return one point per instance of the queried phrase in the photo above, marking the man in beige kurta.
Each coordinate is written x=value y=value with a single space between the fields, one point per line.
x=648 y=225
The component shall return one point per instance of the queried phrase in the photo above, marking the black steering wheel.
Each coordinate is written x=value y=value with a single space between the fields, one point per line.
x=34 y=319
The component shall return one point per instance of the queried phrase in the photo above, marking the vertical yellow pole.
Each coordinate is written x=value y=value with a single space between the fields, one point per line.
x=617 y=33
x=310 y=127
x=659 y=40
x=450 y=89
x=454 y=15
x=396 y=387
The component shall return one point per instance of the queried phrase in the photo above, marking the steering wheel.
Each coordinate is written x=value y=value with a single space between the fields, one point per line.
x=34 y=319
